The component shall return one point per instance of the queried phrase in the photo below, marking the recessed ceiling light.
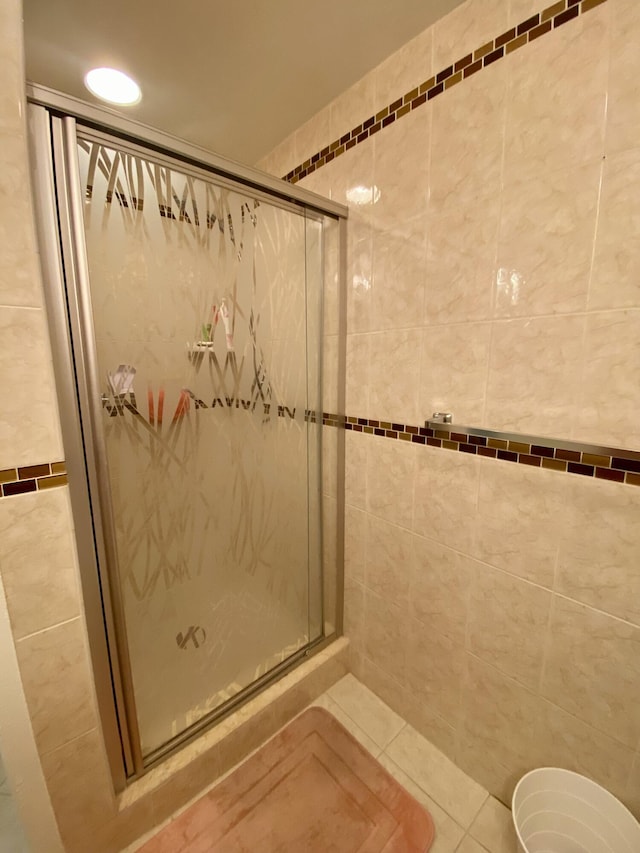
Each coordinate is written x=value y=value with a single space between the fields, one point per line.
x=112 y=86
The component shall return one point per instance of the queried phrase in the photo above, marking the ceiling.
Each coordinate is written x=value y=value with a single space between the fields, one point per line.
x=235 y=77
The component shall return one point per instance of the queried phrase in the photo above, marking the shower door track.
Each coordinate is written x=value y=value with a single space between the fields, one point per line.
x=110 y=122
x=54 y=123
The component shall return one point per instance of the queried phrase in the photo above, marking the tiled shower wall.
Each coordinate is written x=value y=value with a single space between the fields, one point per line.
x=55 y=734
x=496 y=276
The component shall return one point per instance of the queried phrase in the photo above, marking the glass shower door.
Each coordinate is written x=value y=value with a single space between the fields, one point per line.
x=207 y=325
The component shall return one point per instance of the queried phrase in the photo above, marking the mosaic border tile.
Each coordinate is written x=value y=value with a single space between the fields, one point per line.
x=603 y=463
x=50 y=475
x=618 y=465
x=32 y=478
x=537 y=25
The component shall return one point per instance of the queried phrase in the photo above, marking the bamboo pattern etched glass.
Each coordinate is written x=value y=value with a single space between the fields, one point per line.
x=208 y=327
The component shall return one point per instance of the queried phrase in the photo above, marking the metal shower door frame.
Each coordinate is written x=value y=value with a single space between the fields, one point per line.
x=58 y=206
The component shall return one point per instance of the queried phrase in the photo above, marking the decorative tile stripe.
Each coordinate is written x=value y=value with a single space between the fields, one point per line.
x=118 y=405
x=33 y=478
x=513 y=39
x=604 y=463
x=49 y=475
x=616 y=465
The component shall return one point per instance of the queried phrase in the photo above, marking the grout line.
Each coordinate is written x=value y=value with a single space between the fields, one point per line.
x=596 y=231
x=539 y=24
x=72 y=740
x=599 y=462
x=428 y=229
x=360 y=725
x=384 y=752
x=579 y=391
x=503 y=571
x=478 y=560
x=467 y=834
x=391 y=742
x=49 y=628
x=498 y=235
x=546 y=645
x=620 y=619
x=482 y=805
x=541 y=696
x=357 y=725
x=431 y=794
x=500 y=319
x=3 y=305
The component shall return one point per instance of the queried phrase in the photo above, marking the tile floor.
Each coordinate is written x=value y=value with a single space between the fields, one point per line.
x=467 y=818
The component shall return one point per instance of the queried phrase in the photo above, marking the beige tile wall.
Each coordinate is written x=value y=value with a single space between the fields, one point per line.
x=37 y=561
x=497 y=277
x=503 y=232
x=495 y=709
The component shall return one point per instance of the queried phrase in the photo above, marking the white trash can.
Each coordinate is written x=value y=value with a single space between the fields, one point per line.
x=557 y=811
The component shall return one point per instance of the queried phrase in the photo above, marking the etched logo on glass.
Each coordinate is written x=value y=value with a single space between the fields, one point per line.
x=195 y=636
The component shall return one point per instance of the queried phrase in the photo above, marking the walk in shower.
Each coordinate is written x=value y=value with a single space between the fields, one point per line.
x=187 y=310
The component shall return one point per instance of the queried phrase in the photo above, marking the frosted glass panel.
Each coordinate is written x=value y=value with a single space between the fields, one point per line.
x=207 y=325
